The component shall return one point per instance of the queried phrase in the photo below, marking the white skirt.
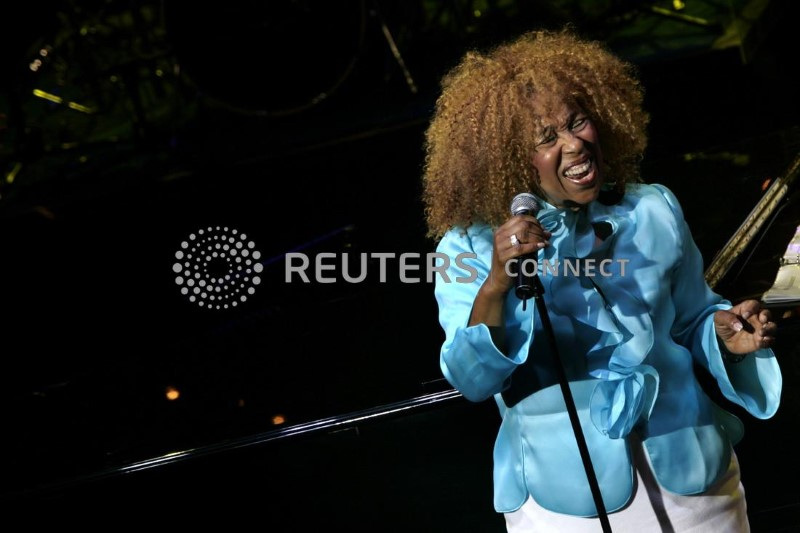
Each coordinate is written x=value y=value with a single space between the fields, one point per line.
x=721 y=508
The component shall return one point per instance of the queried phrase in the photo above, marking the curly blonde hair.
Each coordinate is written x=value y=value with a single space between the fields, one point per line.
x=480 y=142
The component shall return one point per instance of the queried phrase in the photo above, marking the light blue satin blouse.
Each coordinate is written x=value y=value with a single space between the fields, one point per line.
x=628 y=340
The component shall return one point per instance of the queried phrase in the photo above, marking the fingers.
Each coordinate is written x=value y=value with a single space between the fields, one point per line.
x=727 y=323
x=512 y=245
x=745 y=335
x=518 y=236
x=768 y=328
x=760 y=320
x=747 y=308
x=522 y=233
x=767 y=331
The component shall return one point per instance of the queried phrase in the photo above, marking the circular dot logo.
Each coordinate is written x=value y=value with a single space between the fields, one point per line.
x=217 y=268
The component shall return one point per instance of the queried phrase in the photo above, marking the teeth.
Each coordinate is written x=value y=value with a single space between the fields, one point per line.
x=579 y=169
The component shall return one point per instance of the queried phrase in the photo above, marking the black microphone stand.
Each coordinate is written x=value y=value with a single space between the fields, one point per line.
x=536 y=290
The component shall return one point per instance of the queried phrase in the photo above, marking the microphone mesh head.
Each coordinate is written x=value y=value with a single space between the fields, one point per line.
x=525 y=204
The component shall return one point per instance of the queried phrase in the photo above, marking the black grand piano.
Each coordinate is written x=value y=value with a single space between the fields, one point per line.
x=130 y=133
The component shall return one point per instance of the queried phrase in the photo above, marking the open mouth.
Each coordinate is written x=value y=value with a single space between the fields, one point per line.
x=581 y=173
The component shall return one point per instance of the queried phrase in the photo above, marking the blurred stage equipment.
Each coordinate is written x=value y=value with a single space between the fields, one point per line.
x=94 y=76
x=785 y=291
x=752 y=225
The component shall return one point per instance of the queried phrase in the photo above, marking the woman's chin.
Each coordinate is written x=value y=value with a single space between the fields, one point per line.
x=584 y=197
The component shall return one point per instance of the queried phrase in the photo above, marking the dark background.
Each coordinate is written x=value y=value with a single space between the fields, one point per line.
x=295 y=123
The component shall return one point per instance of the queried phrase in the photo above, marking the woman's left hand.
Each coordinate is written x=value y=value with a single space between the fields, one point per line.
x=746 y=327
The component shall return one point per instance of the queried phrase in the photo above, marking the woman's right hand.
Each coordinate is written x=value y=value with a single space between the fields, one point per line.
x=529 y=238
x=519 y=235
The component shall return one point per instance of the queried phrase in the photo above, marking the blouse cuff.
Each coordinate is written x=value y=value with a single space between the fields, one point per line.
x=475 y=366
x=753 y=383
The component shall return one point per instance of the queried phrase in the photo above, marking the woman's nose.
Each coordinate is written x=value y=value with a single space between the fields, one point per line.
x=571 y=141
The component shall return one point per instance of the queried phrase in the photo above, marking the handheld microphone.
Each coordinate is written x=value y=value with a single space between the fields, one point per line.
x=528 y=284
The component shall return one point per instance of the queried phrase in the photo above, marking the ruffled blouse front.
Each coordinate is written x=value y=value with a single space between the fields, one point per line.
x=628 y=387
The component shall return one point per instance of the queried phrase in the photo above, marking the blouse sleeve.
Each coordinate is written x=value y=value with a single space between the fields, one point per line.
x=469 y=359
x=754 y=383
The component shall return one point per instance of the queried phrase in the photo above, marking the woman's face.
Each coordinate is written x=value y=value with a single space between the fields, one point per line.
x=568 y=158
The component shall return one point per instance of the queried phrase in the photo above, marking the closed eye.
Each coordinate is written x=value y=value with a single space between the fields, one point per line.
x=579 y=123
x=548 y=138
